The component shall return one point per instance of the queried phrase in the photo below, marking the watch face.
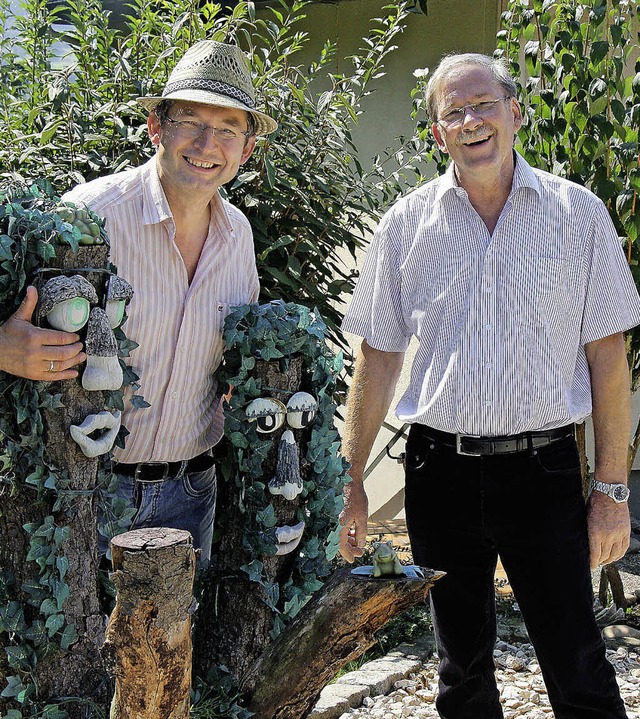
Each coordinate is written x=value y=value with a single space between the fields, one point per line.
x=620 y=493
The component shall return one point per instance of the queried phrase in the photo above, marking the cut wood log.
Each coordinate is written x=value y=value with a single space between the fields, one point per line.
x=336 y=626
x=148 y=641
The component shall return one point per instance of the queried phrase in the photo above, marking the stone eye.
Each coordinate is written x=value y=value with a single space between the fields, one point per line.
x=301 y=410
x=267 y=413
x=69 y=315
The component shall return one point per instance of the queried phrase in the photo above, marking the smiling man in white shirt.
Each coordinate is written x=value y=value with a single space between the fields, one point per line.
x=515 y=285
x=189 y=256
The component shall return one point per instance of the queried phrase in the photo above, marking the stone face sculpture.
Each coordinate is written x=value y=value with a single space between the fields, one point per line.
x=84 y=434
x=280 y=483
x=102 y=371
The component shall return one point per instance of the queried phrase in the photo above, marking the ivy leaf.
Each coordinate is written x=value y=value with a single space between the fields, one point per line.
x=267 y=517
x=54 y=623
x=139 y=402
x=254 y=570
x=12 y=618
x=13 y=688
x=18 y=657
x=69 y=636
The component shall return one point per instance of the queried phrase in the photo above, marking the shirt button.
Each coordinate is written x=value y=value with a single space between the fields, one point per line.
x=488 y=328
x=488 y=404
x=174 y=395
x=487 y=365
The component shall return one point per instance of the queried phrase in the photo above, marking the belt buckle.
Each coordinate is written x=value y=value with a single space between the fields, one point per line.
x=141 y=465
x=459 y=450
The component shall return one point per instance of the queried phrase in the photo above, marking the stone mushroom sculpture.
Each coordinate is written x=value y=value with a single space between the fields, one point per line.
x=103 y=371
x=65 y=302
x=119 y=294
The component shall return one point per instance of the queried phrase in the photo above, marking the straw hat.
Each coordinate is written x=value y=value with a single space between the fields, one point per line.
x=214 y=73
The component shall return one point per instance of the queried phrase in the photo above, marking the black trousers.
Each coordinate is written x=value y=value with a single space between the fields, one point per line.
x=528 y=508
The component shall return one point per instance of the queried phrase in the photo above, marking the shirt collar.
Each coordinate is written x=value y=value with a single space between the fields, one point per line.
x=523 y=176
x=155 y=206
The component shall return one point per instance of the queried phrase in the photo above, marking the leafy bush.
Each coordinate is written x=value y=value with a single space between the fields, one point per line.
x=305 y=192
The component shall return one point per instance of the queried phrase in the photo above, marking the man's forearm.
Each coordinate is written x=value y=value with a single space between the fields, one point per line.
x=372 y=388
x=608 y=521
x=611 y=398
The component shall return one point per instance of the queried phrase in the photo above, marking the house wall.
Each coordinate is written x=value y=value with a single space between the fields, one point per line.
x=450 y=26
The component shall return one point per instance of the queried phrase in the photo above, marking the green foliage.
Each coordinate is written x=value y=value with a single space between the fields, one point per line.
x=581 y=98
x=217 y=698
x=284 y=331
x=74 y=118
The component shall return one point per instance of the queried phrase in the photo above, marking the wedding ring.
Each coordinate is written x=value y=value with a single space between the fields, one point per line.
x=51 y=366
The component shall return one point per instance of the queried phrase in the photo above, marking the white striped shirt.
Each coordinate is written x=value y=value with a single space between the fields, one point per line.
x=177 y=325
x=501 y=320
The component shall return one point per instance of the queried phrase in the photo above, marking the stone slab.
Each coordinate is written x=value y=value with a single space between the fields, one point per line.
x=335 y=699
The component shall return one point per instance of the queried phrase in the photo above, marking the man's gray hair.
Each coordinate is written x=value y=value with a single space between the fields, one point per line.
x=450 y=63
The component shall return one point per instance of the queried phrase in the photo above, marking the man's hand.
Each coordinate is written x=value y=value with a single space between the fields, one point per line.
x=609 y=529
x=353 y=519
x=28 y=351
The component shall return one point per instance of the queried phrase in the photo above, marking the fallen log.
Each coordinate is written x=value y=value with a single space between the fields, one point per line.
x=148 y=640
x=336 y=626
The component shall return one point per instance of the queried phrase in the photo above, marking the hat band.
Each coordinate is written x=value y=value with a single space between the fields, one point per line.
x=221 y=88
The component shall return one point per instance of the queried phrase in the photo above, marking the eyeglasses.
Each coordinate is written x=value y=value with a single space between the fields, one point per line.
x=479 y=109
x=191 y=130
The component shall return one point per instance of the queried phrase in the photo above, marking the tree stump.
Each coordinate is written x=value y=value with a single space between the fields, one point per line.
x=337 y=625
x=148 y=641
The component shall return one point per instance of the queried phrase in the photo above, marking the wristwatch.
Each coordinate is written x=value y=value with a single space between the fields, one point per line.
x=618 y=492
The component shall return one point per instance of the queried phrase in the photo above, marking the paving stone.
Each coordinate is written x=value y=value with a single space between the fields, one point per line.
x=336 y=699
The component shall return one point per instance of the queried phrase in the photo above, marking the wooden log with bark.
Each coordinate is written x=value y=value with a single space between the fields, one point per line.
x=148 y=641
x=336 y=626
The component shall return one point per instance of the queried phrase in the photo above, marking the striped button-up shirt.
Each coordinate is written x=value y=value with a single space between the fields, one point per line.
x=501 y=319
x=176 y=324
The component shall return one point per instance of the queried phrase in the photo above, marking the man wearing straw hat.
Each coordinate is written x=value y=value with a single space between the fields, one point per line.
x=189 y=256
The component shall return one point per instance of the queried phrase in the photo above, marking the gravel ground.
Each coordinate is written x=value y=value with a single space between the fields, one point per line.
x=521 y=687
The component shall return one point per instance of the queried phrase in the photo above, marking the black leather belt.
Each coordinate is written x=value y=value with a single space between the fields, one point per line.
x=481 y=446
x=159 y=471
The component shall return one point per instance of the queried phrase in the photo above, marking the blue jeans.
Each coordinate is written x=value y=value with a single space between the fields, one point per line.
x=187 y=501
x=527 y=507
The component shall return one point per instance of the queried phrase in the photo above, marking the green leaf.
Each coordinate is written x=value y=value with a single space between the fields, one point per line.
x=69 y=636
x=254 y=570
x=599 y=50
x=14 y=688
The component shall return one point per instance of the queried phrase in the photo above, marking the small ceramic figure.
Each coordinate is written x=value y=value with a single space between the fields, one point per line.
x=385 y=560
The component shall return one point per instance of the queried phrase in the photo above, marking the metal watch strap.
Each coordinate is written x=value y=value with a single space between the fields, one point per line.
x=618 y=492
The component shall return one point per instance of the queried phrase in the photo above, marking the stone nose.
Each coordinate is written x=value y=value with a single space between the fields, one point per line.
x=287 y=481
